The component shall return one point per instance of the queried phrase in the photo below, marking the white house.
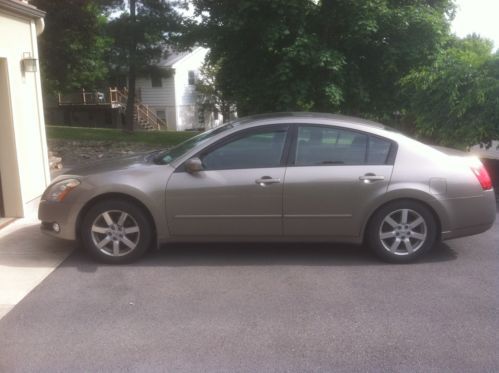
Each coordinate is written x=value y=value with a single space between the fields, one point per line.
x=24 y=170
x=172 y=92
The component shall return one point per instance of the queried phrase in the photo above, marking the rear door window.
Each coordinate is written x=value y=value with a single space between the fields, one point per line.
x=329 y=146
x=323 y=145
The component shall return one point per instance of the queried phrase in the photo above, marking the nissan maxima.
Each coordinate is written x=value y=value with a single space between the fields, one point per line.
x=292 y=177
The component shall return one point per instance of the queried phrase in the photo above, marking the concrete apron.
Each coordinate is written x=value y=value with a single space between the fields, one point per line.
x=27 y=257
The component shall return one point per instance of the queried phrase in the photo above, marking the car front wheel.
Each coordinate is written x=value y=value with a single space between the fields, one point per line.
x=116 y=231
x=402 y=231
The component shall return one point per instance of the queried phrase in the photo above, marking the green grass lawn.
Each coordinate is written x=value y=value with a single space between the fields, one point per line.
x=107 y=134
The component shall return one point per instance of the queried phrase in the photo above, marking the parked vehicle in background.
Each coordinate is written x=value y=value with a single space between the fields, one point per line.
x=277 y=177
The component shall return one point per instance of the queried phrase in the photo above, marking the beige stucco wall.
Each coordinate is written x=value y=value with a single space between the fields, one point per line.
x=23 y=150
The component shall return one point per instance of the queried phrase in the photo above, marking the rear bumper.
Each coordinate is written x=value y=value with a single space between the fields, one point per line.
x=470 y=231
x=469 y=216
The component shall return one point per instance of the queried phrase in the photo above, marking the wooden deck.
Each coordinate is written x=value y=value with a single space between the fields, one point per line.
x=112 y=98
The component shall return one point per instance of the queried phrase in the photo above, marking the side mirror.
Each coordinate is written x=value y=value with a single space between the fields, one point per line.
x=193 y=165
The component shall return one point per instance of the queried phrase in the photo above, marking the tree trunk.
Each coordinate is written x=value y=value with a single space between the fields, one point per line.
x=130 y=104
x=225 y=109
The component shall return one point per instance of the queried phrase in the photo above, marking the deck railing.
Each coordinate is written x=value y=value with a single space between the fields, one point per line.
x=115 y=98
x=84 y=98
x=142 y=112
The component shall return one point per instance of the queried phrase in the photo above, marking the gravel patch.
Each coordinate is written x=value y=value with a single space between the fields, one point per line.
x=77 y=153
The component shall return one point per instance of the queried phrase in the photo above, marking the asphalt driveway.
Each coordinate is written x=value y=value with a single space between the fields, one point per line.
x=258 y=308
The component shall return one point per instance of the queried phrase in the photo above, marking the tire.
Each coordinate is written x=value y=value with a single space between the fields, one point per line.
x=116 y=232
x=394 y=241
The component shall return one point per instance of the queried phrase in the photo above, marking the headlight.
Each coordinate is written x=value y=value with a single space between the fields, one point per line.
x=59 y=191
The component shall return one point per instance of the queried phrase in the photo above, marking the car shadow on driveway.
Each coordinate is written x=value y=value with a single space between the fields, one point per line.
x=259 y=254
x=214 y=254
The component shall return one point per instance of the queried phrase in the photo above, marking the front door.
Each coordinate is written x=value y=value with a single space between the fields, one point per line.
x=335 y=174
x=239 y=191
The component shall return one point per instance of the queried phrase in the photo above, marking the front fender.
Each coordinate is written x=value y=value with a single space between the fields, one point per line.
x=147 y=186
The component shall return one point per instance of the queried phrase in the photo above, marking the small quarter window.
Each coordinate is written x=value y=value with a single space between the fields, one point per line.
x=379 y=149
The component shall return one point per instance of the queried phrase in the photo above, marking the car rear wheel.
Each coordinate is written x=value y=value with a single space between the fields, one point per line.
x=116 y=231
x=402 y=231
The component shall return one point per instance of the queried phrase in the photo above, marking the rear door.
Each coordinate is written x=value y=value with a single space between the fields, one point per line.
x=334 y=175
x=239 y=191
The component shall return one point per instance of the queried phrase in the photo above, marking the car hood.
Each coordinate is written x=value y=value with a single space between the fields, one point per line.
x=116 y=164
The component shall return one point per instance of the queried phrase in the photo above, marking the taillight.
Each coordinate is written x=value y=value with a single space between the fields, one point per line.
x=483 y=176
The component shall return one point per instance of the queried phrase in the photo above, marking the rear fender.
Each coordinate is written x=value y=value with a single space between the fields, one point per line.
x=431 y=201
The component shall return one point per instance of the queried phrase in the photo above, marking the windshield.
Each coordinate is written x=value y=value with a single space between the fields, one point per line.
x=167 y=156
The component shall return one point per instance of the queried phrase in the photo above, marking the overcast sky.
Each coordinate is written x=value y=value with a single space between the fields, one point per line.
x=478 y=16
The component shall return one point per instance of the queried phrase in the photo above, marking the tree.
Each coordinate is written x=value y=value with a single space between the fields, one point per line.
x=211 y=97
x=141 y=35
x=73 y=45
x=455 y=100
x=325 y=55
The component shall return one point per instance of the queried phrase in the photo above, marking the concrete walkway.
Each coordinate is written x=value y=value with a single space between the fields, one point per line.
x=27 y=257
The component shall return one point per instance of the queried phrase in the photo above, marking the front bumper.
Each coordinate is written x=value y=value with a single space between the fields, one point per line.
x=65 y=215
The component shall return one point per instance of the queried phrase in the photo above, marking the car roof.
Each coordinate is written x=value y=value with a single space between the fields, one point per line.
x=307 y=116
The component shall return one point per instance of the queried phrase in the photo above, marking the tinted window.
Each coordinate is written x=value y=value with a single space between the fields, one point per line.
x=170 y=155
x=323 y=146
x=379 y=149
x=254 y=150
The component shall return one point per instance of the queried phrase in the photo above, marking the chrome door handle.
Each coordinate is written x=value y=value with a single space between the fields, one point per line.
x=367 y=178
x=267 y=180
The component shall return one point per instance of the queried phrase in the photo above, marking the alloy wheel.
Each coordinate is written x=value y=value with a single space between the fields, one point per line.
x=115 y=233
x=403 y=232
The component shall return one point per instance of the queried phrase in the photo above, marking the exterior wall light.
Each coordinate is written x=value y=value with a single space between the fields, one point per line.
x=28 y=63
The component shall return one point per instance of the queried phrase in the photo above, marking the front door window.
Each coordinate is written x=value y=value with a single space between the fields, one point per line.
x=255 y=150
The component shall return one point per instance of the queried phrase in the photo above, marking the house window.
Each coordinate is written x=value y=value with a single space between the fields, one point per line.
x=192 y=77
x=156 y=80
x=161 y=114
